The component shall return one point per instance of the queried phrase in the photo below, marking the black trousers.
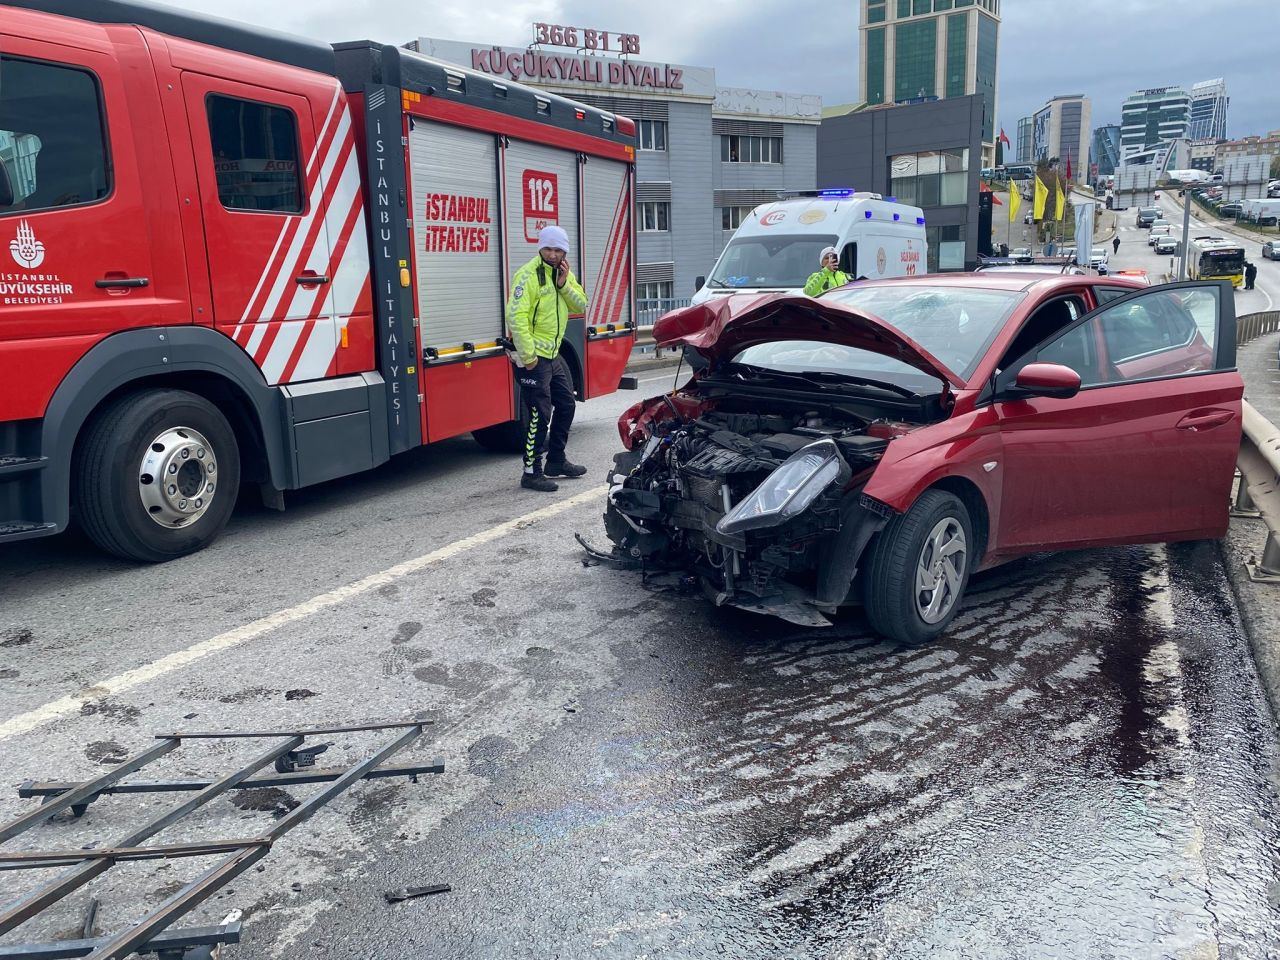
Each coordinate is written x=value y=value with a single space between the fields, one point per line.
x=546 y=396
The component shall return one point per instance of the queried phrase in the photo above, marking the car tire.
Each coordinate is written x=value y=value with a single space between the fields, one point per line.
x=150 y=436
x=905 y=553
x=502 y=437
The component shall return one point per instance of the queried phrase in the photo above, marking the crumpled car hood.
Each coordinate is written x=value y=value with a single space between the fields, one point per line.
x=722 y=327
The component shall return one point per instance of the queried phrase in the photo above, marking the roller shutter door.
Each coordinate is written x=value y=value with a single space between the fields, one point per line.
x=542 y=188
x=607 y=242
x=454 y=178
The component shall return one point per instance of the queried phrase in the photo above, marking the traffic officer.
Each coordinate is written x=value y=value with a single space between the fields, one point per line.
x=544 y=292
x=827 y=277
x=1250 y=274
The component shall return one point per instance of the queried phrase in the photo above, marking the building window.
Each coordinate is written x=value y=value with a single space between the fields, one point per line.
x=904 y=9
x=934 y=178
x=255 y=153
x=731 y=217
x=876 y=13
x=875 y=66
x=654 y=290
x=946 y=247
x=652 y=134
x=964 y=3
x=655 y=216
x=957 y=48
x=988 y=32
x=915 y=49
x=748 y=149
x=51 y=143
x=940 y=5
x=921 y=6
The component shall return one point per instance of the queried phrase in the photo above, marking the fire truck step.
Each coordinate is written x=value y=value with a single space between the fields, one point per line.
x=11 y=466
x=15 y=527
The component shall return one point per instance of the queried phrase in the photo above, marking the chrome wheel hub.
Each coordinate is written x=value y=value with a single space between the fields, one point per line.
x=940 y=570
x=178 y=477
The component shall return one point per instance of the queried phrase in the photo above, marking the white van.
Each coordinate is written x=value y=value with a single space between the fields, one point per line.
x=776 y=247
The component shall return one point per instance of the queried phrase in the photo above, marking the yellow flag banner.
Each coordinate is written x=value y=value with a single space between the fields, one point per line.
x=1042 y=198
x=1015 y=201
x=1060 y=202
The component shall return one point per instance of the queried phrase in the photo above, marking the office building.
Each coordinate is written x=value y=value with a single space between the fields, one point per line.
x=1024 y=153
x=1209 y=103
x=925 y=154
x=1060 y=129
x=1152 y=117
x=1104 y=151
x=1203 y=155
x=1268 y=146
x=706 y=154
x=915 y=50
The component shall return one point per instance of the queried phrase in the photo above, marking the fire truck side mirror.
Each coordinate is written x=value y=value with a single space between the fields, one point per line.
x=6 y=187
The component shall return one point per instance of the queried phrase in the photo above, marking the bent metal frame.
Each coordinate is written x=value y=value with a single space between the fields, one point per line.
x=293 y=763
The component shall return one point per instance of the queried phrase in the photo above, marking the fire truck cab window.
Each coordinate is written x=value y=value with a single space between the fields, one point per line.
x=51 y=139
x=255 y=155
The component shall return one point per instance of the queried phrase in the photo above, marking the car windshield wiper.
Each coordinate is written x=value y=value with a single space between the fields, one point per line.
x=713 y=282
x=821 y=379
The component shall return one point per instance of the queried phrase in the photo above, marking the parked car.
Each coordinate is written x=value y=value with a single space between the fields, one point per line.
x=1230 y=210
x=1099 y=260
x=885 y=441
x=1271 y=249
x=1157 y=231
x=1168 y=244
x=1020 y=252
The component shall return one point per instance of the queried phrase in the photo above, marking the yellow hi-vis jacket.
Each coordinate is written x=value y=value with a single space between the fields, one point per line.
x=538 y=313
x=824 y=279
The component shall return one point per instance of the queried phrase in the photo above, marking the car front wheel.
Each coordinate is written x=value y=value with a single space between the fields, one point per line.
x=919 y=569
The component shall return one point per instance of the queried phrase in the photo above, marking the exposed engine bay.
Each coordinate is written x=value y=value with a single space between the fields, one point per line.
x=765 y=508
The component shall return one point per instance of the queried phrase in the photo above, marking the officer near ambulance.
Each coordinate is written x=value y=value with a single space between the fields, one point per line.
x=544 y=292
x=828 y=276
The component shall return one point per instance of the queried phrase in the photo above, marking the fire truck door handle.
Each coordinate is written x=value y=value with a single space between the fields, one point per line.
x=122 y=282
x=309 y=278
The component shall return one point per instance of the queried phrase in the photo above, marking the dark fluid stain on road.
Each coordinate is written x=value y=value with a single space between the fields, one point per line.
x=107 y=752
x=1063 y=775
x=271 y=800
x=18 y=637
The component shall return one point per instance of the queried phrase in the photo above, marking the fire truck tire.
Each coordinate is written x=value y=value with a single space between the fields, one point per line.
x=157 y=475
x=502 y=437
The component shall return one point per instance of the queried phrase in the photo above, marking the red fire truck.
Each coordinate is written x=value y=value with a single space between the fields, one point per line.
x=229 y=256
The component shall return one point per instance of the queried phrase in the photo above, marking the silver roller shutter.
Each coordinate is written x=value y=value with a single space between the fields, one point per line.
x=455 y=233
x=542 y=188
x=607 y=253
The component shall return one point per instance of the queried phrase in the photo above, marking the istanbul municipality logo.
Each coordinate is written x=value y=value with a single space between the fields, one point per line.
x=26 y=249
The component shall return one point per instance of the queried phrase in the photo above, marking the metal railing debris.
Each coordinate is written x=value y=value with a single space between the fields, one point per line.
x=1253 y=325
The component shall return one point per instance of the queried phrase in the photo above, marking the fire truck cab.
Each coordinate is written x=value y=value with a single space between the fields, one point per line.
x=232 y=256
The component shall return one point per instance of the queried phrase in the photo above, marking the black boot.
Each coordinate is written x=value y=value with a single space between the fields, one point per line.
x=564 y=468
x=538 y=481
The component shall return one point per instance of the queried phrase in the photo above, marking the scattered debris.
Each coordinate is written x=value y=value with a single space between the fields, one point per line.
x=302 y=693
x=408 y=893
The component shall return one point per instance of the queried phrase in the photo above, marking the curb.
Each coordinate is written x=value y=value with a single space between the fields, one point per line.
x=1259 y=614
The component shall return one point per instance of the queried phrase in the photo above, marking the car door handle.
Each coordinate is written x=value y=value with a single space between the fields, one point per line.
x=111 y=282
x=308 y=278
x=1204 y=419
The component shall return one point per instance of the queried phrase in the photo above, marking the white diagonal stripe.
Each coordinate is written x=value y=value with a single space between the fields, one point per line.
x=281 y=348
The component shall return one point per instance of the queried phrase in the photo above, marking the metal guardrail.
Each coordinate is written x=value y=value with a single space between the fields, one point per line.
x=647 y=314
x=1258 y=492
x=1253 y=325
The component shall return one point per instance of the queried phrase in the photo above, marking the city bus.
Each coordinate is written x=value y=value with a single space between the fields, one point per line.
x=1216 y=258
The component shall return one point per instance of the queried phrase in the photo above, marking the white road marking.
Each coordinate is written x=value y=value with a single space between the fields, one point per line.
x=113 y=686
x=665 y=376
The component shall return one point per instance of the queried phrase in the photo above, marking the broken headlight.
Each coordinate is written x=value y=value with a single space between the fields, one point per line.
x=788 y=491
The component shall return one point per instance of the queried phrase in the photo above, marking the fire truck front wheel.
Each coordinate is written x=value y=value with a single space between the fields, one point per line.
x=157 y=475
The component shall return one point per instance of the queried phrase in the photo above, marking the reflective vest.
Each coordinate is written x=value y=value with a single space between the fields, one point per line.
x=824 y=279
x=538 y=313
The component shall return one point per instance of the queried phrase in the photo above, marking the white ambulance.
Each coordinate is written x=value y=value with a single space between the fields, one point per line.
x=777 y=245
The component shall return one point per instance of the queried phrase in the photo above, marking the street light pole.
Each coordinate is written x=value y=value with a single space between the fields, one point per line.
x=1186 y=234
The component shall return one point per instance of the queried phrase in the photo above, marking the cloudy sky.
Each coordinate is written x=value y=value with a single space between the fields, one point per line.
x=1105 y=49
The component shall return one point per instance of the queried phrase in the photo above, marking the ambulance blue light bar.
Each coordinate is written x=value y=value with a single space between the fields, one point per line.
x=920 y=221
x=868 y=213
x=842 y=192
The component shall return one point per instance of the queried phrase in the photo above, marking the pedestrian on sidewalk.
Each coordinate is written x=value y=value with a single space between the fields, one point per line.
x=1250 y=274
x=1115 y=244
x=544 y=292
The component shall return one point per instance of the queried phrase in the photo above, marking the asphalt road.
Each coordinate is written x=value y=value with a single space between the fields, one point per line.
x=1083 y=767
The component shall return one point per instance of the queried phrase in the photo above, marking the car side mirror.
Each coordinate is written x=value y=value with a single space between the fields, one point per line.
x=1048 y=380
x=699 y=283
x=6 y=187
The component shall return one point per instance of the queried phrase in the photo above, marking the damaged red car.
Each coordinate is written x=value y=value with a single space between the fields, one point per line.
x=882 y=443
